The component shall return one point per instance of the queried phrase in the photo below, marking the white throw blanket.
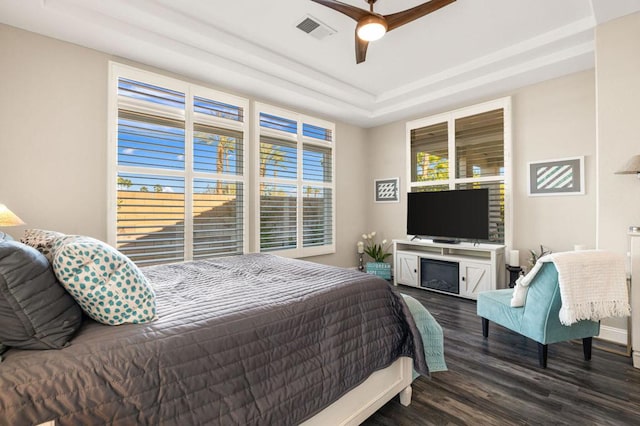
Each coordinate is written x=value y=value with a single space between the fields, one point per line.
x=593 y=285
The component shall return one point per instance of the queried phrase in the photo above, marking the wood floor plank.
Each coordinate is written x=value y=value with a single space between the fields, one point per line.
x=497 y=381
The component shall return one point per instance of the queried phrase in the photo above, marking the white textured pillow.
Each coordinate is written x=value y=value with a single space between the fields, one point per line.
x=107 y=285
x=41 y=240
x=522 y=283
x=519 y=293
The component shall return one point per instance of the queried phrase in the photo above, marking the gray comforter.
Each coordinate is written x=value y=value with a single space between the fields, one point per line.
x=254 y=339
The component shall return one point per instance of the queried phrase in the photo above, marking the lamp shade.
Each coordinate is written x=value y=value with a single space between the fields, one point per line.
x=632 y=166
x=8 y=218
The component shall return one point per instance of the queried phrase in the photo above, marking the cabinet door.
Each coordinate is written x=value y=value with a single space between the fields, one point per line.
x=474 y=278
x=407 y=269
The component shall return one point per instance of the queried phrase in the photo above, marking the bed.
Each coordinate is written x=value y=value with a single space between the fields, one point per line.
x=254 y=339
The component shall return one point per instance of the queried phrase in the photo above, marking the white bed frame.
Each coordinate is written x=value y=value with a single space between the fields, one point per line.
x=362 y=401
x=359 y=403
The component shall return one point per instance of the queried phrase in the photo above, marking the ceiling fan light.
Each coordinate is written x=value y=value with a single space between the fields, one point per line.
x=371 y=28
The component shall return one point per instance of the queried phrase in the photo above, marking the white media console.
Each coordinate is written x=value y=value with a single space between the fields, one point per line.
x=461 y=269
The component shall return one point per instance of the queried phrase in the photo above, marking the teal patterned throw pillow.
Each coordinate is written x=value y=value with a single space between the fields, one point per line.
x=107 y=285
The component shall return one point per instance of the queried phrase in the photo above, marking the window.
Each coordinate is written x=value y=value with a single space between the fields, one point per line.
x=466 y=149
x=177 y=169
x=295 y=164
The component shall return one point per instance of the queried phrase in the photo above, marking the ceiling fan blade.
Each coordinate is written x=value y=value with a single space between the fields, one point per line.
x=361 y=49
x=396 y=20
x=351 y=11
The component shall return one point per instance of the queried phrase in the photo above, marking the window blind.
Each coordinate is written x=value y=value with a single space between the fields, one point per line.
x=150 y=94
x=316 y=216
x=270 y=121
x=430 y=153
x=218 y=109
x=278 y=158
x=149 y=141
x=218 y=225
x=278 y=217
x=316 y=163
x=496 y=207
x=150 y=219
x=160 y=172
x=480 y=145
x=217 y=150
x=317 y=132
x=296 y=184
x=479 y=151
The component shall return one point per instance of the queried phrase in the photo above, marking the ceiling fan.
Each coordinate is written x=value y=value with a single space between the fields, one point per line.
x=372 y=26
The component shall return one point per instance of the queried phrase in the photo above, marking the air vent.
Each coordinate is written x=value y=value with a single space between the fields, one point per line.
x=315 y=28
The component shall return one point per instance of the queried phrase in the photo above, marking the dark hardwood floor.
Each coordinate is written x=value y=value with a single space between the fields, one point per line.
x=498 y=382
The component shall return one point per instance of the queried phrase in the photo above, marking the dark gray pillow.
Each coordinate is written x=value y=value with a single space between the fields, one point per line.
x=35 y=310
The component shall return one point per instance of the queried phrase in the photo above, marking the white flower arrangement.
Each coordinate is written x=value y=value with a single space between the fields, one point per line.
x=378 y=252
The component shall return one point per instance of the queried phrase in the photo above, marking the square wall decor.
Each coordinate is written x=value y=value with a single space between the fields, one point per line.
x=564 y=176
x=387 y=190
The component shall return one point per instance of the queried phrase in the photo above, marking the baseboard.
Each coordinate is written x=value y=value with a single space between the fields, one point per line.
x=613 y=334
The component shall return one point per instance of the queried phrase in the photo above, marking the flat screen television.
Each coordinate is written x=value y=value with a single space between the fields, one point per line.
x=449 y=216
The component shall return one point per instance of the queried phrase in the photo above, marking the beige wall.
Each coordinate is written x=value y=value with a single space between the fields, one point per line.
x=386 y=159
x=618 y=112
x=53 y=113
x=553 y=119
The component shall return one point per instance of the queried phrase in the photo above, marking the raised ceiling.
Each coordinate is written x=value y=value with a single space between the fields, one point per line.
x=469 y=50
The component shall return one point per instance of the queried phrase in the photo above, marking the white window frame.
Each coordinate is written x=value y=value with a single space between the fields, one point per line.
x=450 y=117
x=300 y=141
x=116 y=71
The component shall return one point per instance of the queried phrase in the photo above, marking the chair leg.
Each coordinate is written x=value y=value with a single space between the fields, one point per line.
x=542 y=355
x=586 y=347
x=485 y=327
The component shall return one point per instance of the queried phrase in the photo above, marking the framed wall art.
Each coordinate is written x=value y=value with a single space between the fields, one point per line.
x=387 y=190
x=564 y=176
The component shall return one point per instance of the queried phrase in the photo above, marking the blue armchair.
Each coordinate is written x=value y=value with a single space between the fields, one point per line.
x=538 y=319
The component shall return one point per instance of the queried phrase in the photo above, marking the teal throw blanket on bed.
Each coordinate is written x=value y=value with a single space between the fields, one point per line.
x=432 y=337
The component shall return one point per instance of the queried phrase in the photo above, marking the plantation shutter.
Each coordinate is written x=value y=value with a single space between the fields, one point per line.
x=317 y=214
x=218 y=225
x=278 y=190
x=161 y=174
x=278 y=159
x=479 y=143
x=430 y=153
x=217 y=150
x=296 y=164
x=218 y=204
x=150 y=206
x=478 y=147
x=317 y=210
x=278 y=217
x=496 y=207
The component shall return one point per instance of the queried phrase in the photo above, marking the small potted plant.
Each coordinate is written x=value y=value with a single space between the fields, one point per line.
x=533 y=256
x=378 y=253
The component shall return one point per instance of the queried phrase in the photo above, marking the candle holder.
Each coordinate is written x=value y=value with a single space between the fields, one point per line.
x=514 y=273
x=360 y=262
